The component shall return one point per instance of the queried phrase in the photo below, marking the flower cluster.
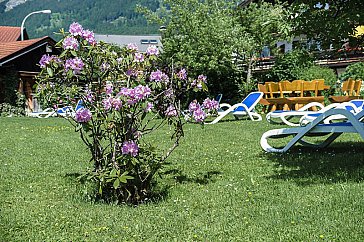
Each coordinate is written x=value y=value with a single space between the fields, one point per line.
x=76 y=29
x=47 y=59
x=182 y=74
x=210 y=104
x=198 y=111
x=111 y=102
x=83 y=115
x=199 y=82
x=70 y=43
x=75 y=64
x=171 y=111
x=132 y=47
x=135 y=94
x=130 y=148
x=138 y=57
x=152 y=50
x=159 y=76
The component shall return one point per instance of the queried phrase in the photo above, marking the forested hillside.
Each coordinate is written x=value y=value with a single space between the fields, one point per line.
x=101 y=16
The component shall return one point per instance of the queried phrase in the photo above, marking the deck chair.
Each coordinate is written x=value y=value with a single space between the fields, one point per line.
x=316 y=128
x=67 y=111
x=245 y=108
x=353 y=106
x=284 y=116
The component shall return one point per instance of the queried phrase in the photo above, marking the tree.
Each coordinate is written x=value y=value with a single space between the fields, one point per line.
x=262 y=24
x=214 y=36
x=329 y=22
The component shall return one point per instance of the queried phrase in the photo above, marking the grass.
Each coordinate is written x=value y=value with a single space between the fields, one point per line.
x=218 y=186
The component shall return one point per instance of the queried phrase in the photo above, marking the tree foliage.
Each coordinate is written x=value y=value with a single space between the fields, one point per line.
x=218 y=38
x=330 y=22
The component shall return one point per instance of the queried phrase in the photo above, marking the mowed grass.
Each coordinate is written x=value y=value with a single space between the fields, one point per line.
x=217 y=186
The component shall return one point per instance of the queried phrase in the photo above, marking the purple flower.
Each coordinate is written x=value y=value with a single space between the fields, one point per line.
x=108 y=89
x=199 y=115
x=149 y=107
x=124 y=92
x=156 y=76
x=169 y=93
x=89 y=36
x=45 y=60
x=132 y=72
x=152 y=50
x=138 y=57
x=202 y=78
x=132 y=46
x=89 y=95
x=142 y=92
x=76 y=64
x=83 y=115
x=76 y=29
x=130 y=147
x=107 y=103
x=105 y=66
x=182 y=74
x=171 y=111
x=194 y=105
x=210 y=104
x=70 y=43
x=116 y=103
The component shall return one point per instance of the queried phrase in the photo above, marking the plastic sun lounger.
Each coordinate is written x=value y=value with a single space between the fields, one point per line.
x=354 y=106
x=245 y=108
x=67 y=111
x=284 y=117
x=316 y=128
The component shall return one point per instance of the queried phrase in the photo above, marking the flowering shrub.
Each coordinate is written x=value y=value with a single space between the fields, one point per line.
x=125 y=96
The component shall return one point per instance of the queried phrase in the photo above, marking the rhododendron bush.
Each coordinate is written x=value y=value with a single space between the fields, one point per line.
x=125 y=96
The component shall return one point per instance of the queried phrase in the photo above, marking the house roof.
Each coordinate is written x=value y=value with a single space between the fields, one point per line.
x=9 y=34
x=15 y=49
x=142 y=41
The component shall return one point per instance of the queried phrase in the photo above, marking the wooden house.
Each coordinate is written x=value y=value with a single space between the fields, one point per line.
x=19 y=62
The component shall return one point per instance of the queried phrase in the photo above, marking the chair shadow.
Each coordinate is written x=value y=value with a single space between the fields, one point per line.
x=202 y=178
x=341 y=162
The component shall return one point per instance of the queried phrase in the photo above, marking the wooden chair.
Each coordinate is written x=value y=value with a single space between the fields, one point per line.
x=348 y=87
x=351 y=90
x=276 y=97
x=357 y=87
x=263 y=100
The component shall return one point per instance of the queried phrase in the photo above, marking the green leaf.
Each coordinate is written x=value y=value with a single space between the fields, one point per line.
x=100 y=189
x=117 y=183
x=113 y=173
x=73 y=52
x=50 y=71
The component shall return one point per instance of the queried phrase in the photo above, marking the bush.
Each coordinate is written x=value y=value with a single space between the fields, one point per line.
x=125 y=97
x=354 y=71
x=13 y=110
x=289 y=65
x=8 y=110
x=318 y=72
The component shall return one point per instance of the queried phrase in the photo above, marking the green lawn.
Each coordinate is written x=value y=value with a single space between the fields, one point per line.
x=218 y=186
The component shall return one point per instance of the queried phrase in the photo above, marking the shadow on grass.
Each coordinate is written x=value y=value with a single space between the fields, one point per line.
x=159 y=192
x=202 y=178
x=340 y=162
x=91 y=194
